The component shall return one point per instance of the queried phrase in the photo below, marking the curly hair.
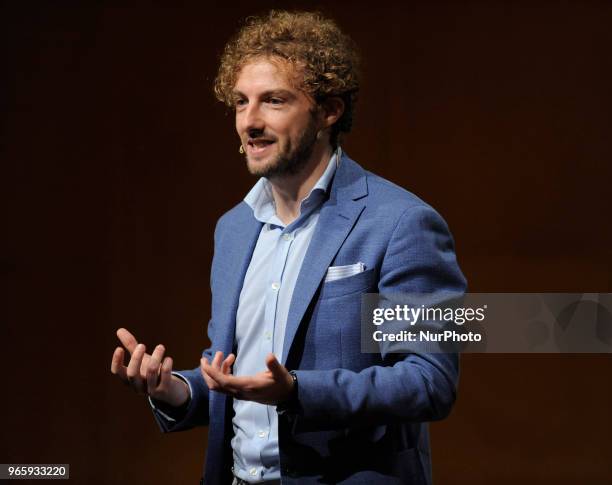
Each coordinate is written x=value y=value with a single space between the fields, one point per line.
x=326 y=59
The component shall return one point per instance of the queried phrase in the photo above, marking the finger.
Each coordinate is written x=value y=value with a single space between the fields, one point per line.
x=144 y=365
x=227 y=363
x=228 y=382
x=127 y=339
x=117 y=366
x=133 y=368
x=166 y=374
x=214 y=372
x=216 y=380
x=216 y=363
x=244 y=387
x=242 y=383
x=277 y=369
x=205 y=368
x=153 y=367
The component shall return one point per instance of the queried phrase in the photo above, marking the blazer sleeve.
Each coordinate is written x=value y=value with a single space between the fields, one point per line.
x=196 y=413
x=419 y=258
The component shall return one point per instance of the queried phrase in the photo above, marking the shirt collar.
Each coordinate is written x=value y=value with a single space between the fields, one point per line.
x=260 y=197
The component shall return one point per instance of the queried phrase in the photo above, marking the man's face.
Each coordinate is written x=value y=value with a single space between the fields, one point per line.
x=276 y=122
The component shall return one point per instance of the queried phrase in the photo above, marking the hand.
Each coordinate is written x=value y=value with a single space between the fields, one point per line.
x=146 y=373
x=269 y=387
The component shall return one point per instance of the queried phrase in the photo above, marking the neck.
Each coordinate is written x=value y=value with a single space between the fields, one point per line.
x=289 y=190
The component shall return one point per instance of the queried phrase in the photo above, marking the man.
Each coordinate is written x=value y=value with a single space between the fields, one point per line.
x=284 y=387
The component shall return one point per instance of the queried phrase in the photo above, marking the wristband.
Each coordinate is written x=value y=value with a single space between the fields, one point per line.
x=291 y=404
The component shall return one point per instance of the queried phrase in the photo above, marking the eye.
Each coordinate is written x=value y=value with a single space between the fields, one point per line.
x=276 y=101
x=240 y=102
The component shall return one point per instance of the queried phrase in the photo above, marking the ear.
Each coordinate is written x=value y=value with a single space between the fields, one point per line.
x=332 y=110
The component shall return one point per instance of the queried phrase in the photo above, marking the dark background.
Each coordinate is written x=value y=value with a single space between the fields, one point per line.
x=116 y=162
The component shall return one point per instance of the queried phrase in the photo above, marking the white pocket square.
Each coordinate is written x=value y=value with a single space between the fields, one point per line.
x=338 y=272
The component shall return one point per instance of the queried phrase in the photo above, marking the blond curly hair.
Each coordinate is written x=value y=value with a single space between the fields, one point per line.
x=326 y=59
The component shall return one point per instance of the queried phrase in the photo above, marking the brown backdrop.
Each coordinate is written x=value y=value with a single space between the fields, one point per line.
x=117 y=161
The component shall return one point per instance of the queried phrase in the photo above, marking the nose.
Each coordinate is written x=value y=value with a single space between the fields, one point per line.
x=252 y=120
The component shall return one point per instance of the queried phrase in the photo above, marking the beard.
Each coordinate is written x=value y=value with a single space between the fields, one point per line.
x=292 y=159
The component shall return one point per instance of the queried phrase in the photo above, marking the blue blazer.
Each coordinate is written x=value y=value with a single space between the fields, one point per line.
x=363 y=417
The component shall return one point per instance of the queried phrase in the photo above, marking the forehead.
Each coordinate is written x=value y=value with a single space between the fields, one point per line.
x=263 y=74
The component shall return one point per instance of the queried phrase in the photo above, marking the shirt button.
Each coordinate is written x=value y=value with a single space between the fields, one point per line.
x=268 y=335
x=253 y=471
x=262 y=434
x=287 y=237
x=275 y=285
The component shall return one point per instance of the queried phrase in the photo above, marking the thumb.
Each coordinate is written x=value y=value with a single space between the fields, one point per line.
x=275 y=366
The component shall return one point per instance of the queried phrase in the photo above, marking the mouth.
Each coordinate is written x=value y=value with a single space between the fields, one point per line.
x=259 y=146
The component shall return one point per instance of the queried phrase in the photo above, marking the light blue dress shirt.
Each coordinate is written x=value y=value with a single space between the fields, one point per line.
x=262 y=315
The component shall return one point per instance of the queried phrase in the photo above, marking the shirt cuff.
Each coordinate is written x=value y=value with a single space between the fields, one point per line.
x=170 y=413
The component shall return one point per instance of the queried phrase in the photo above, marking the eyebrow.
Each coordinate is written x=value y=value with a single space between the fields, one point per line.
x=271 y=92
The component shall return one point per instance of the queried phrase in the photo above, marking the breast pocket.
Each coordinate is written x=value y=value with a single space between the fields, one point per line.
x=359 y=283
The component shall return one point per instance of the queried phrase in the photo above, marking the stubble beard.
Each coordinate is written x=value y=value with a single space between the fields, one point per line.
x=291 y=161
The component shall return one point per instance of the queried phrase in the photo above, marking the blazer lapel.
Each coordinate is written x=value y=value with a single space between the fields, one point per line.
x=338 y=216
